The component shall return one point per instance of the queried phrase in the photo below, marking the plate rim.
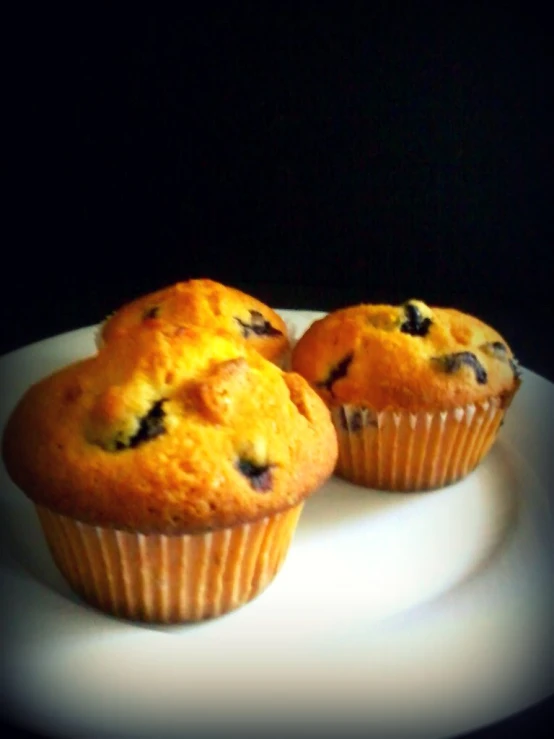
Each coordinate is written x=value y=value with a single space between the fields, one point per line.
x=306 y=314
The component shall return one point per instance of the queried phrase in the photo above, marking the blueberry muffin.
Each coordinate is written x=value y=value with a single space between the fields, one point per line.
x=211 y=305
x=417 y=394
x=169 y=470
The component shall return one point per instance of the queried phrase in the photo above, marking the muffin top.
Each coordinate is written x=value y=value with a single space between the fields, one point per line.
x=170 y=430
x=209 y=304
x=409 y=357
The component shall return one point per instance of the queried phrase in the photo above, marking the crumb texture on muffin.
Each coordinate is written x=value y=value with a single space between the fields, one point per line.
x=204 y=302
x=170 y=429
x=410 y=357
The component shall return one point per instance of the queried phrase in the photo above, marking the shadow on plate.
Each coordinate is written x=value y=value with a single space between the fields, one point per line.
x=334 y=508
x=492 y=491
x=23 y=548
x=340 y=500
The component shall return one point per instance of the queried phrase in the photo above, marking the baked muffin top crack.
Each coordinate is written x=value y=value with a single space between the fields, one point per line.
x=170 y=429
x=205 y=303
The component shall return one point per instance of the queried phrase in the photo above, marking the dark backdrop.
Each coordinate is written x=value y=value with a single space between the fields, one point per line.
x=314 y=157
x=317 y=157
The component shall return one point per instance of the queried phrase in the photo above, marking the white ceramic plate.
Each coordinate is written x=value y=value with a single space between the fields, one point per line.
x=405 y=615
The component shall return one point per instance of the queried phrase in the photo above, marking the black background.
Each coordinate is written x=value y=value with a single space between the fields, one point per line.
x=315 y=156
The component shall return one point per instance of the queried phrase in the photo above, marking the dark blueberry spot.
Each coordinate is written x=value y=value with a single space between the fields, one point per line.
x=153 y=312
x=415 y=324
x=500 y=351
x=343 y=419
x=453 y=362
x=356 y=421
x=257 y=326
x=151 y=425
x=259 y=476
x=516 y=369
x=495 y=349
x=336 y=372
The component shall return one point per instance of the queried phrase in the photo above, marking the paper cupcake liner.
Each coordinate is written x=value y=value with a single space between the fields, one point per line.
x=169 y=579
x=402 y=451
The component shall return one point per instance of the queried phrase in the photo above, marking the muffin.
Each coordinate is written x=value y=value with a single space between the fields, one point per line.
x=417 y=394
x=211 y=305
x=169 y=470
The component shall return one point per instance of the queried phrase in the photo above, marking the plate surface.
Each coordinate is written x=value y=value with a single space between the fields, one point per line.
x=408 y=615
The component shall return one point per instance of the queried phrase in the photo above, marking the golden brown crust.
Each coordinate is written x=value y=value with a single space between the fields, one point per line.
x=374 y=362
x=77 y=441
x=206 y=303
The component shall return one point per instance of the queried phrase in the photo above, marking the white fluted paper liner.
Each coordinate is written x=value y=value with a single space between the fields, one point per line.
x=169 y=579
x=403 y=451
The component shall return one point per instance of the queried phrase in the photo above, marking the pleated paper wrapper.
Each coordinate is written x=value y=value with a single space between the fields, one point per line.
x=169 y=579
x=403 y=451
